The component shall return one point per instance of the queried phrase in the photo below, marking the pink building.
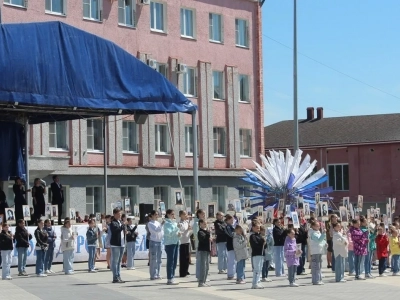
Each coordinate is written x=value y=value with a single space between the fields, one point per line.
x=211 y=50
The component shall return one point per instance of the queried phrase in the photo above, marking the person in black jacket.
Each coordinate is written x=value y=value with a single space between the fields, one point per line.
x=117 y=243
x=279 y=235
x=41 y=248
x=203 y=250
x=39 y=204
x=257 y=242
x=22 y=238
x=229 y=233
x=219 y=226
x=3 y=202
x=57 y=194
x=19 y=198
x=301 y=236
x=131 y=235
x=6 y=247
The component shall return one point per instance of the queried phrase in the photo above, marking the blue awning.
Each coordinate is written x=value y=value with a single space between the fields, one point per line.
x=58 y=72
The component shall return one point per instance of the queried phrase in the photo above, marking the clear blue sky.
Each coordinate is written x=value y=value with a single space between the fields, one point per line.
x=360 y=38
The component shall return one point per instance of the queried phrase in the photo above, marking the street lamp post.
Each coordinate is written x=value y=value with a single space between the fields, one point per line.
x=295 y=109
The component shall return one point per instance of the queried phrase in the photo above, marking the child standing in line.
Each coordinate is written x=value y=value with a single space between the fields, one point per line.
x=231 y=262
x=268 y=252
x=240 y=248
x=131 y=236
x=395 y=250
x=91 y=238
x=203 y=250
x=317 y=245
x=292 y=255
x=257 y=242
x=360 y=243
x=340 y=251
x=6 y=247
x=350 y=255
x=382 y=243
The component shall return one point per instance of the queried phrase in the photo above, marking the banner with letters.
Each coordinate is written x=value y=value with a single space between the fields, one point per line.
x=81 y=253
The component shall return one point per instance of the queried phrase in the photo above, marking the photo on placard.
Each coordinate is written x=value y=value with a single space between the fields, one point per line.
x=98 y=217
x=27 y=212
x=118 y=204
x=270 y=215
x=307 y=211
x=287 y=210
x=162 y=208
x=368 y=214
x=72 y=215
x=136 y=212
x=231 y=205
x=300 y=202
x=157 y=205
x=196 y=205
x=324 y=210
x=346 y=202
x=295 y=220
x=188 y=210
x=239 y=218
x=393 y=205
x=317 y=197
x=104 y=223
x=247 y=203
x=127 y=205
x=377 y=213
x=389 y=212
x=344 y=216
x=260 y=210
x=54 y=212
x=211 y=207
x=360 y=202
x=238 y=205
x=48 y=210
x=281 y=205
x=385 y=220
x=178 y=197
x=10 y=215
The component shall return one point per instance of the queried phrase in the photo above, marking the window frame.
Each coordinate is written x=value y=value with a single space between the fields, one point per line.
x=164 y=13
x=158 y=140
x=9 y=2
x=222 y=80
x=135 y=192
x=211 y=28
x=247 y=77
x=189 y=137
x=133 y=14
x=186 y=80
x=66 y=137
x=129 y=136
x=100 y=204
x=193 y=25
x=242 y=194
x=335 y=177
x=166 y=69
x=242 y=141
x=99 y=11
x=64 y=8
x=221 y=203
x=167 y=188
x=93 y=137
x=214 y=141
x=237 y=33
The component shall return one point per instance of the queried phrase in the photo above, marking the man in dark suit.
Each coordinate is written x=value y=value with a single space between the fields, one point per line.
x=57 y=194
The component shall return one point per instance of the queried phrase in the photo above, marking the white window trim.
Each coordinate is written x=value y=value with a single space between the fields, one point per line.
x=63 y=14
x=249 y=93
x=241 y=141
x=186 y=77
x=100 y=12
x=247 y=34
x=223 y=86
x=137 y=137
x=221 y=30
x=158 y=141
x=225 y=147
x=16 y=5
x=164 y=17
x=166 y=69
x=134 y=201
x=53 y=149
x=187 y=136
x=194 y=27
x=102 y=196
x=334 y=188
x=167 y=193
x=133 y=15
x=102 y=141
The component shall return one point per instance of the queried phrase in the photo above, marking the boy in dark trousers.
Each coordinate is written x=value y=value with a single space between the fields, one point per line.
x=257 y=242
x=203 y=252
x=131 y=235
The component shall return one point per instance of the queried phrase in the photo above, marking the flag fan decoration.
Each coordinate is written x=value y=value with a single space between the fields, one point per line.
x=284 y=176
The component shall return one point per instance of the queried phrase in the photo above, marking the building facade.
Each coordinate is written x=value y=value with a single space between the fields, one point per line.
x=360 y=154
x=211 y=50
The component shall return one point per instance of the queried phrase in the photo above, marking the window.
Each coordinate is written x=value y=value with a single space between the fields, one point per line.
x=130 y=191
x=22 y=3
x=245 y=191
x=245 y=142
x=244 y=91
x=218 y=85
x=215 y=28
x=58 y=135
x=189 y=195
x=161 y=193
x=126 y=12
x=92 y=9
x=158 y=16
x=190 y=82
x=189 y=140
x=219 y=197
x=339 y=177
x=56 y=6
x=95 y=135
x=163 y=69
x=219 y=141
x=94 y=198
x=162 y=139
x=187 y=22
x=242 y=35
x=130 y=136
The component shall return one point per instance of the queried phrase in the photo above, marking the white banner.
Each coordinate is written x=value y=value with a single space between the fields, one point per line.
x=81 y=253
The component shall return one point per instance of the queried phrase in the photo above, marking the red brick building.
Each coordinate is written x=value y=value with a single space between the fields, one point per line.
x=361 y=154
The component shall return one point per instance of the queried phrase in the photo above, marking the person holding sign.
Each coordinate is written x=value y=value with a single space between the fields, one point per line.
x=41 y=248
x=340 y=250
x=22 y=238
x=67 y=247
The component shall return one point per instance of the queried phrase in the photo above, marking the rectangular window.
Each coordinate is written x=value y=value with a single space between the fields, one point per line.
x=22 y=3
x=58 y=135
x=161 y=193
x=242 y=34
x=189 y=140
x=163 y=69
x=130 y=191
x=95 y=135
x=245 y=142
x=190 y=82
x=56 y=6
x=187 y=22
x=130 y=136
x=339 y=177
x=162 y=139
x=219 y=141
x=94 y=198
x=215 y=28
x=218 y=85
x=158 y=16
x=244 y=90
x=219 y=197
x=245 y=192
x=127 y=12
x=189 y=195
x=92 y=9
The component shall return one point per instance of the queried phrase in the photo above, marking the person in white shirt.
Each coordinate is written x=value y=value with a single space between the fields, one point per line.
x=340 y=250
x=184 y=248
x=156 y=236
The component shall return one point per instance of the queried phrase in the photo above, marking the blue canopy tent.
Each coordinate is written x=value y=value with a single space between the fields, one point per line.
x=53 y=72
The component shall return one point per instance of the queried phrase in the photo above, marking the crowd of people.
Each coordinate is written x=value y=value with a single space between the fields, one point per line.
x=349 y=248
